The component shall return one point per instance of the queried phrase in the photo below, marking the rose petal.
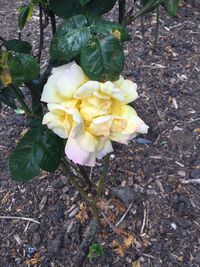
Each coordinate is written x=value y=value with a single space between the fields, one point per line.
x=87 y=89
x=129 y=90
x=51 y=120
x=71 y=78
x=106 y=148
x=50 y=92
x=126 y=125
x=78 y=155
x=110 y=89
x=101 y=126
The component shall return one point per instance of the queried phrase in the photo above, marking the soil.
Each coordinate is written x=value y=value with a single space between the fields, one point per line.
x=152 y=176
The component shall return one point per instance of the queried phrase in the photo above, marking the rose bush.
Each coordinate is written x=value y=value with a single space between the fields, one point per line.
x=90 y=114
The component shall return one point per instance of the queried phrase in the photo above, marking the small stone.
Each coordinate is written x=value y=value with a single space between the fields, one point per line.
x=174 y=226
x=128 y=194
x=112 y=156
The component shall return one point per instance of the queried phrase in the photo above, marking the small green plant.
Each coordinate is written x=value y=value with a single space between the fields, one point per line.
x=95 y=250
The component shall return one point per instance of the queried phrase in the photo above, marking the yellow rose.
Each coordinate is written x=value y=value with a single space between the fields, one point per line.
x=90 y=114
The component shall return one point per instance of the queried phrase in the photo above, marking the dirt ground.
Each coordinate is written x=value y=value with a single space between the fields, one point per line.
x=152 y=179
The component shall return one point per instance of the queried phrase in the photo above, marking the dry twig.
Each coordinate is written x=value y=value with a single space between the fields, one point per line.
x=19 y=218
x=123 y=217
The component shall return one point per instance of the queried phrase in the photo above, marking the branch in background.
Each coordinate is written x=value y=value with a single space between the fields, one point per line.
x=85 y=176
x=53 y=21
x=21 y=101
x=157 y=28
x=122 y=10
x=142 y=27
x=100 y=187
x=41 y=32
x=73 y=180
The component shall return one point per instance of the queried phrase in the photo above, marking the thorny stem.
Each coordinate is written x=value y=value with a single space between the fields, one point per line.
x=143 y=11
x=53 y=21
x=85 y=176
x=93 y=201
x=72 y=178
x=122 y=10
x=157 y=29
x=41 y=32
x=21 y=101
x=142 y=27
x=100 y=187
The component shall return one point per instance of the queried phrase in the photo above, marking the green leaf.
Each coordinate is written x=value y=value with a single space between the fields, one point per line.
x=7 y=97
x=25 y=14
x=171 y=7
x=19 y=46
x=65 y=8
x=95 y=250
x=50 y=146
x=23 y=67
x=39 y=148
x=105 y=28
x=103 y=59
x=23 y=163
x=70 y=37
x=99 y=7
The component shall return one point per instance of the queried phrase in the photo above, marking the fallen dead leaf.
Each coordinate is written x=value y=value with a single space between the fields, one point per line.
x=197 y=130
x=136 y=264
x=129 y=241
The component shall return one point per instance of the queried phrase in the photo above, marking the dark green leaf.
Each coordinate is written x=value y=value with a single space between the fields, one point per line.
x=105 y=28
x=65 y=8
x=23 y=163
x=18 y=46
x=171 y=7
x=23 y=67
x=70 y=37
x=50 y=146
x=103 y=59
x=25 y=13
x=39 y=148
x=7 y=97
x=99 y=7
